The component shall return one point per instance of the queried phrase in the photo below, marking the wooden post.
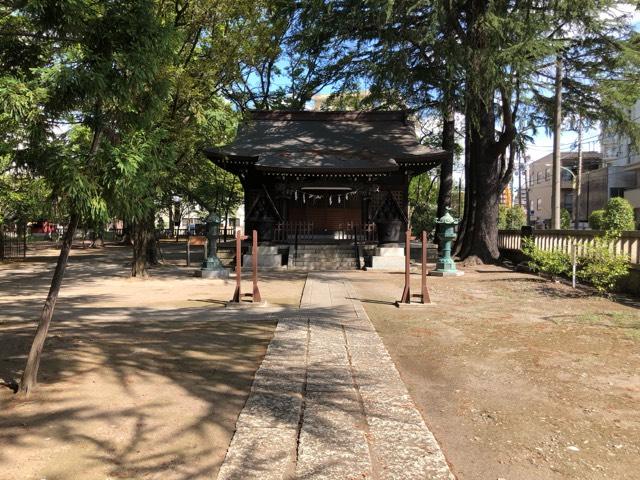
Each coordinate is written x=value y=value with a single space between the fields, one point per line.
x=406 y=294
x=424 y=291
x=188 y=253
x=237 y=294
x=254 y=260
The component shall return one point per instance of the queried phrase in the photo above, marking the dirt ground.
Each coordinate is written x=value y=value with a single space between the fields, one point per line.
x=140 y=379
x=517 y=377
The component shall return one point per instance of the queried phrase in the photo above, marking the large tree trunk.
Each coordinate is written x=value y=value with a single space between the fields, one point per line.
x=30 y=375
x=488 y=171
x=446 y=168
x=143 y=240
x=152 y=242
x=487 y=168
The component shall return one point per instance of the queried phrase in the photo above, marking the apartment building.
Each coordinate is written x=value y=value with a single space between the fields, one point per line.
x=618 y=151
x=540 y=186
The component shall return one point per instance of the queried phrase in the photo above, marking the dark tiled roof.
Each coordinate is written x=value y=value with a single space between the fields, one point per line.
x=327 y=141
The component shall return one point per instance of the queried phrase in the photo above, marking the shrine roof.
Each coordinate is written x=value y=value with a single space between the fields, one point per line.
x=346 y=142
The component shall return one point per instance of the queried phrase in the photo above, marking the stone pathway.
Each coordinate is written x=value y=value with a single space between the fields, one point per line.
x=328 y=403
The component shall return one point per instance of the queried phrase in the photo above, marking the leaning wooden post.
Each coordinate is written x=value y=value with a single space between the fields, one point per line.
x=406 y=294
x=254 y=260
x=237 y=294
x=424 y=291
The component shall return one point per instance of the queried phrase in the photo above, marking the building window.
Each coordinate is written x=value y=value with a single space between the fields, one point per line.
x=539 y=204
x=539 y=177
x=566 y=176
x=568 y=200
x=616 y=192
x=547 y=175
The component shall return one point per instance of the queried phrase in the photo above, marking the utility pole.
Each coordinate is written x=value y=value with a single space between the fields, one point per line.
x=520 y=179
x=557 y=155
x=578 y=181
x=526 y=184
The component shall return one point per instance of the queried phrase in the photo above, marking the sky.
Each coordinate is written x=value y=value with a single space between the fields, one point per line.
x=543 y=142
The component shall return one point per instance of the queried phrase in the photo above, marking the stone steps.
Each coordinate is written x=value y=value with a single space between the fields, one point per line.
x=323 y=257
x=325 y=266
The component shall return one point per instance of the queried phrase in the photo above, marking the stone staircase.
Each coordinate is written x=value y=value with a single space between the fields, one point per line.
x=323 y=257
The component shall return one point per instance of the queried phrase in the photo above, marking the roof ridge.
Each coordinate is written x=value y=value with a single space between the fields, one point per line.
x=333 y=116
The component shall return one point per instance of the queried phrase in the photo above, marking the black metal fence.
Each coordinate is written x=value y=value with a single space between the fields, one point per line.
x=13 y=244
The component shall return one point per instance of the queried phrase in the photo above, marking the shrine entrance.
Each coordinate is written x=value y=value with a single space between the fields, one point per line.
x=332 y=176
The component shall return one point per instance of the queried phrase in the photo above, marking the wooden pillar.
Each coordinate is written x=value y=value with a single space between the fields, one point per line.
x=406 y=294
x=255 y=297
x=423 y=281
x=237 y=294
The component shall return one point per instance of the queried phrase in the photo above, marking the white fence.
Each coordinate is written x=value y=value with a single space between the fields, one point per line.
x=629 y=242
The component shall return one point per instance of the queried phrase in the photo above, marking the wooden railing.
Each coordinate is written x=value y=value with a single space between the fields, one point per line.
x=289 y=232
x=362 y=233
x=628 y=243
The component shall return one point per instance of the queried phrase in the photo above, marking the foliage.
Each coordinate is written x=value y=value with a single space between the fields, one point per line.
x=618 y=217
x=511 y=218
x=601 y=267
x=565 y=219
x=24 y=197
x=551 y=262
x=423 y=193
x=596 y=220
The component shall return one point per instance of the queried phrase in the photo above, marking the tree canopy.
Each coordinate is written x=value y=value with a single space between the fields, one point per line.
x=105 y=106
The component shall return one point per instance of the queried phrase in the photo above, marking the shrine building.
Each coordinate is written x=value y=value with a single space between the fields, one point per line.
x=326 y=177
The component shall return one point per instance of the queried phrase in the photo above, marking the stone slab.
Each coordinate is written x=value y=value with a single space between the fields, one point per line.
x=436 y=273
x=333 y=444
x=260 y=454
x=264 y=261
x=328 y=373
x=387 y=263
x=205 y=273
x=271 y=410
x=268 y=249
x=320 y=379
x=389 y=252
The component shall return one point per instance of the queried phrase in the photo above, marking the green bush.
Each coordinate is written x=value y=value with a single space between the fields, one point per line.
x=550 y=262
x=601 y=267
x=511 y=218
x=618 y=217
x=596 y=220
x=565 y=219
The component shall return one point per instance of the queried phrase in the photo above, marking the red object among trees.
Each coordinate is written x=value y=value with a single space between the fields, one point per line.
x=43 y=226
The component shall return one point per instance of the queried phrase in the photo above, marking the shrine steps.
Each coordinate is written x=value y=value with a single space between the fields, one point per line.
x=323 y=257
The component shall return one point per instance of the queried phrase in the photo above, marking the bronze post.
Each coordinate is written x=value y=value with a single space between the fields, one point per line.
x=254 y=260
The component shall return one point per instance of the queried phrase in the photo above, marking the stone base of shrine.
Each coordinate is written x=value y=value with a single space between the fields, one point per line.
x=268 y=257
x=387 y=258
x=264 y=261
x=222 y=273
x=437 y=273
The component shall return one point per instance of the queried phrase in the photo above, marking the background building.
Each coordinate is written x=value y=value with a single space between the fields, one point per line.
x=540 y=186
x=618 y=151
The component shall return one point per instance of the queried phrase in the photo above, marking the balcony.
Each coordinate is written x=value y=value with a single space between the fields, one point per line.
x=633 y=196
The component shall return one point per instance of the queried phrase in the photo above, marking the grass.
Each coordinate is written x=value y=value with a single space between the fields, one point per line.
x=624 y=320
